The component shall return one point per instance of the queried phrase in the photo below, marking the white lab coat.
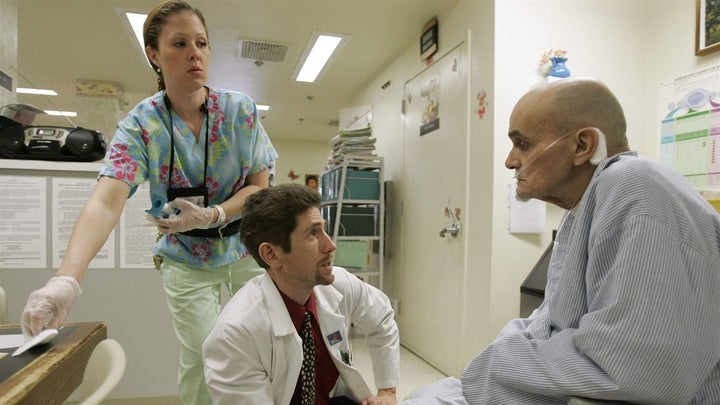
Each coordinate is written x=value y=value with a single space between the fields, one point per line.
x=253 y=354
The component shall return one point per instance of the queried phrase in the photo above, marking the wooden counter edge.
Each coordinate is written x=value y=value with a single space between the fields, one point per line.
x=54 y=376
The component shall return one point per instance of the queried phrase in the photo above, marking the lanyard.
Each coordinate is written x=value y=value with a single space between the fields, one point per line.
x=203 y=107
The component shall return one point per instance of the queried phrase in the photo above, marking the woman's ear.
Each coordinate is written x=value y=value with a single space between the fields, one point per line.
x=151 y=55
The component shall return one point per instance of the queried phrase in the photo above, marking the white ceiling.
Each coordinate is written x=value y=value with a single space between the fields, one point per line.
x=60 y=41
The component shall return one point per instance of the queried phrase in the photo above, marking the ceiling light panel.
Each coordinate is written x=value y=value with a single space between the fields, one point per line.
x=43 y=92
x=61 y=113
x=132 y=22
x=319 y=52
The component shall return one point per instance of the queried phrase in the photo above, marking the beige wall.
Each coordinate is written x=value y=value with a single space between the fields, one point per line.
x=299 y=156
x=8 y=48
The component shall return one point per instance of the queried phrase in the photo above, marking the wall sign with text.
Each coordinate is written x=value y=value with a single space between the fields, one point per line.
x=429 y=39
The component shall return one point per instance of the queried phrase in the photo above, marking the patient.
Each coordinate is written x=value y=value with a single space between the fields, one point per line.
x=632 y=303
x=283 y=338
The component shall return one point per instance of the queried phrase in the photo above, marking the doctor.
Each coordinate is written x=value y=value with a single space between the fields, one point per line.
x=266 y=334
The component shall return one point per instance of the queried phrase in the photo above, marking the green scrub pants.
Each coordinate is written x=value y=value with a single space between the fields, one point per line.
x=193 y=295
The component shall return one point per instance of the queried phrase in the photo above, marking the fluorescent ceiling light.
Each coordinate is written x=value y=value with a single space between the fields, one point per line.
x=42 y=92
x=322 y=50
x=262 y=107
x=61 y=113
x=135 y=20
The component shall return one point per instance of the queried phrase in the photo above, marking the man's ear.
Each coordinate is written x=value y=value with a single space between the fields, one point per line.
x=588 y=148
x=269 y=254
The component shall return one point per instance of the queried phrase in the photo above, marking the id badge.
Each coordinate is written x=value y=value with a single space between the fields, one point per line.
x=196 y=195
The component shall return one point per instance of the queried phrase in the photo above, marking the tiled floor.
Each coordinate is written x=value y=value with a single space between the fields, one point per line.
x=414 y=373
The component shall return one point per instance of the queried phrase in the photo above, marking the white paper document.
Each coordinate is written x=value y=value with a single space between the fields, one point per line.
x=525 y=216
x=43 y=337
x=11 y=341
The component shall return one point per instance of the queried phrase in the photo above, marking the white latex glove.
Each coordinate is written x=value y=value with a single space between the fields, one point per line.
x=51 y=302
x=191 y=216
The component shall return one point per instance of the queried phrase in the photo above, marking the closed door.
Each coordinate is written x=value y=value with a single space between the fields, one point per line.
x=434 y=194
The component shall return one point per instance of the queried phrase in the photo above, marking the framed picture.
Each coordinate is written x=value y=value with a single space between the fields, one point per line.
x=707 y=26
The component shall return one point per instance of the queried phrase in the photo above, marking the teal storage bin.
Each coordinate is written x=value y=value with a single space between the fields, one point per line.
x=359 y=185
x=328 y=186
x=354 y=221
x=351 y=253
x=362 y=185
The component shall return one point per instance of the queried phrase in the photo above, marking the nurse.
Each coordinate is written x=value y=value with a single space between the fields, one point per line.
x=203 y=151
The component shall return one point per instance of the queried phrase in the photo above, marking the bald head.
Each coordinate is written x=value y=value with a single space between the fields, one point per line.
x=576 y=103
x=554 y=144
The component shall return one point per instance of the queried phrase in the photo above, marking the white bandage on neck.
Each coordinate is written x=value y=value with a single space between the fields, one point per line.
x=601 y=150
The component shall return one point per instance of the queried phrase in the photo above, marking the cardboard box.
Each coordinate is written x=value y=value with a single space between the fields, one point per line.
x=715 y=204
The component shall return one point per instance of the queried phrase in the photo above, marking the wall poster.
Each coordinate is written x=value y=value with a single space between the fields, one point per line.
x=430 y=93
x=69 y=196
x=690 y=126
x=137 y=234
x=38 y=214
x=23 y=219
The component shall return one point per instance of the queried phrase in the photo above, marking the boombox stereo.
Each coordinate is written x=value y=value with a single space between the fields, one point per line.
x=51 y=143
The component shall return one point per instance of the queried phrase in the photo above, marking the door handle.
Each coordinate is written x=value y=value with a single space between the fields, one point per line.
x=453 y=230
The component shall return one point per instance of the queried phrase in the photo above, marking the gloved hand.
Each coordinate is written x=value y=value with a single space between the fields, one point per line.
x=52 y=301
x=191 y=216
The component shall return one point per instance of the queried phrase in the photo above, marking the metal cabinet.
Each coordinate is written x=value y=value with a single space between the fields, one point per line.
x=353 y=204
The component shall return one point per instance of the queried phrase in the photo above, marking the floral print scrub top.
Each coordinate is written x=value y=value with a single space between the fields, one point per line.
x=238 y=146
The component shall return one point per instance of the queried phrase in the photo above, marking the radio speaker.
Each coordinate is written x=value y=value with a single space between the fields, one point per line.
x=80 y=142
x=51 y=143
x=12 y=140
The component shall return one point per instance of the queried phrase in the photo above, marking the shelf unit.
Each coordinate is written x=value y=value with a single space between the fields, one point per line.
x=353 y=204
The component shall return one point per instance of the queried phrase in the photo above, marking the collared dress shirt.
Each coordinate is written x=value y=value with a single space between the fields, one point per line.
x=326 y=373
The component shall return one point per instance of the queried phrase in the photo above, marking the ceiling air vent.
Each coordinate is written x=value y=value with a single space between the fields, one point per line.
x=264 y=51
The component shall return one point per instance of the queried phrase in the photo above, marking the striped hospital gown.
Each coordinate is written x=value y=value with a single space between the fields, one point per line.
x=632 y=307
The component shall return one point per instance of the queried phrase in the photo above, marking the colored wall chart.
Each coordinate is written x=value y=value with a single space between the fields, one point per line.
x=690 y=127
